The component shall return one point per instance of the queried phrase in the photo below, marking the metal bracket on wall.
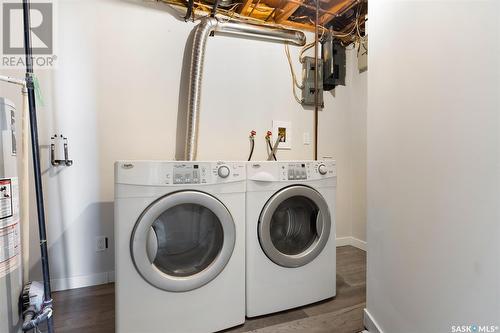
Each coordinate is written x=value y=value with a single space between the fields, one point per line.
x=308 y=82
x=53 y=160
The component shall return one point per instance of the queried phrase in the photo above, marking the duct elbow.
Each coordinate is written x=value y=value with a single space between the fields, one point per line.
x=300 y=38
x=203 y=30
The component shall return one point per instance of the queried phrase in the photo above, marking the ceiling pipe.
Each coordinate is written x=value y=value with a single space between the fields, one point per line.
x=203 y=30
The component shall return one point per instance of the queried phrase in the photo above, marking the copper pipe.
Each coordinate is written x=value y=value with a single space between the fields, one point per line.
x=316 y=83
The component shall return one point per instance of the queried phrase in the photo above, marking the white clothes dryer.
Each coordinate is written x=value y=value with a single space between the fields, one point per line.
x=290 y=233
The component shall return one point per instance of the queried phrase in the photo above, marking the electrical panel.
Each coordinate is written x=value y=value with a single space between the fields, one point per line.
x=363 y=56
x=334 y=59
x=308 y=90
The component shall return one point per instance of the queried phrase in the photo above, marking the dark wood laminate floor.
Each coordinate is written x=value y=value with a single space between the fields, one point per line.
x=91 y=310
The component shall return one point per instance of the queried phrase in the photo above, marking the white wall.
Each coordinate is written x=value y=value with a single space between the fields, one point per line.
x=116 y=93
x=433 y=165
x=358 y=88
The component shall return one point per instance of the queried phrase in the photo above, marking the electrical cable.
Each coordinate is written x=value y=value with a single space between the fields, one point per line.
x=304 y=49
x=294 y=77
x=311 y=44
x=358 y=15
x=297 y=99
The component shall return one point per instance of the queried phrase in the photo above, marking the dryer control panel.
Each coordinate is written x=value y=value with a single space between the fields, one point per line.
x=295 y=171
x=291 y=170
x=307 y=170
x=179 y=173
x=189 y=174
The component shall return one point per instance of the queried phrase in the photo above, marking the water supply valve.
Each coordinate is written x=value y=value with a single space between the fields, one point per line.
x=269 y=134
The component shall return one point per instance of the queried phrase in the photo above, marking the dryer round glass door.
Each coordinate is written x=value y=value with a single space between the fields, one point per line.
x=294 y=226
x=183 y=241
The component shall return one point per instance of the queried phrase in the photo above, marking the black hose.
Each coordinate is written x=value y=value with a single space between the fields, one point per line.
x=271 y=147
x=252 y=146
x=35 y=148
x=189 y=10
x=214 y=8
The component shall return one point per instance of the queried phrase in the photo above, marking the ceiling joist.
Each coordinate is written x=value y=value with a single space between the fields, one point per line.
x=336 y=7
x=244 y=7
x=287 y=10
x=338 y=15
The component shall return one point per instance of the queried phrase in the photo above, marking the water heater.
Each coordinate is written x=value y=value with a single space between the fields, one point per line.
x=11 y=279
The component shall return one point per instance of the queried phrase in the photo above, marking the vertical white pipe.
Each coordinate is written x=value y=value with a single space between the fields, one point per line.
x=24 y=186
x=23 y=176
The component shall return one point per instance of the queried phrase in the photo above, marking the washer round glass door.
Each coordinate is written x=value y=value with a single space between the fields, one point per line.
x=294 y=226
x=183 y=241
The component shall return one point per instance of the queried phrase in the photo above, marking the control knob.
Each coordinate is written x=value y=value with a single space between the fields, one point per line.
x=223 y=171
x=322 y=169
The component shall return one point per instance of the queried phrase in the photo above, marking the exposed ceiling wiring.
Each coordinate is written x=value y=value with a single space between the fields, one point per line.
x=266 y=13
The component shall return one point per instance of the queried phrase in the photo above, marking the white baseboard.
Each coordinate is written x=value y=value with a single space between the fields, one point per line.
x=108 y=277
x=370 y=323
x=343 y=241
x=82 y=281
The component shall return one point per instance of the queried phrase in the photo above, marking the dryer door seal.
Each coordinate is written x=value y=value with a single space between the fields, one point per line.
x=182 y=241
x=294 y=226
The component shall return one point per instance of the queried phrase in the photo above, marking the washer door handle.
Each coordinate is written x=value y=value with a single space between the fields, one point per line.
x=319 y=224
x=152 y=245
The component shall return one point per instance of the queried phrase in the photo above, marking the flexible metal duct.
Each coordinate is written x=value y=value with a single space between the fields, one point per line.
x=203 y=30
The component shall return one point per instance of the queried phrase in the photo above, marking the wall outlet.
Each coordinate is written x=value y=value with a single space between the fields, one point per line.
x=284 y=128
x=101 y=243
x=307 y=138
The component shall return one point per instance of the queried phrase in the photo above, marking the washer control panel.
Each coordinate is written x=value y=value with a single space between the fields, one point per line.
x=296 y=171
x=309 y=170
x=178 y=173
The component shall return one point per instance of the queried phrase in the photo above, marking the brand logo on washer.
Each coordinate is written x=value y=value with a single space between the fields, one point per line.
x=255 y=165
x=127 y=165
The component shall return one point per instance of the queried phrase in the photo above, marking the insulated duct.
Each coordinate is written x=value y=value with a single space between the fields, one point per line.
x=203 y=30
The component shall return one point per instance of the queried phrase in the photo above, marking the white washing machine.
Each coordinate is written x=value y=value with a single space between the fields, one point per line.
x=180 y=246
x=290 y=258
